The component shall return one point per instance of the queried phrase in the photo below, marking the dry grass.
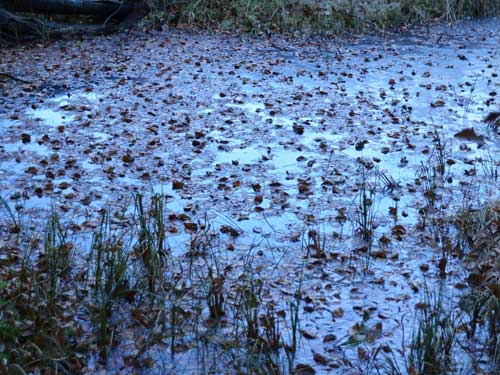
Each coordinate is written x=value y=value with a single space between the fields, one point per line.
x=286 y=15
x=480 y=239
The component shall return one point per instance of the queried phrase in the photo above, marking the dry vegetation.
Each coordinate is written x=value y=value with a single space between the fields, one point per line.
x=316 y=15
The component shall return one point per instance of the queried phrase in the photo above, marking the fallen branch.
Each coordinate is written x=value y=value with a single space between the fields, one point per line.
x=17 y=25
x=9 y=76
x=98 y=8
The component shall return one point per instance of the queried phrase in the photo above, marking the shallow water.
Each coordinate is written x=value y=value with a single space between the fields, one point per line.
x=273 y=144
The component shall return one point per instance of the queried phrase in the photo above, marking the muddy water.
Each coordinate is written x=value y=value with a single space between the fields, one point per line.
x=273 y=142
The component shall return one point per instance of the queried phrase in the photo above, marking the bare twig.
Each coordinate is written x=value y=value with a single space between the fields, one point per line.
x=10 y=76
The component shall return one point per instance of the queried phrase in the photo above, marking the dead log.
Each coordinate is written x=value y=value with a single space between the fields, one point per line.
x=99 y=8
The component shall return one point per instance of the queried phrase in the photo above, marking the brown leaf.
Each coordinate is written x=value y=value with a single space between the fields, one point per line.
x=190 y=225
x=298 y=129
x=320 y=358
x=308 y=335
x=362 y=354
x=470 y=134
x=177 y=185
x=338 y=313
x=438 y=103
x=25 y=138
x=329 y=338
x=303 y=369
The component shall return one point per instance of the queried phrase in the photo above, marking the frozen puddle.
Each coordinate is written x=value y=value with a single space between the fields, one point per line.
x=54 y=113
x=314 y=138
x=276 y=157
x=245 y=155
x=250 y=107
x=30 y=147
x=51 y=117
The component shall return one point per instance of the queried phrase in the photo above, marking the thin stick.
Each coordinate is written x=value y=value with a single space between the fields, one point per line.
x=9 y=76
